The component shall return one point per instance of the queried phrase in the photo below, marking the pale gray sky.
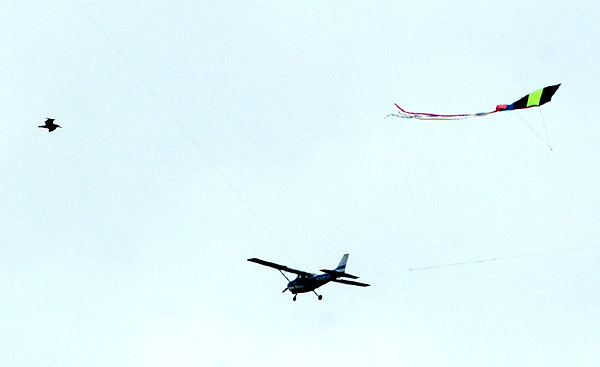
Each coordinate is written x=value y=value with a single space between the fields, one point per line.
x=199 y=134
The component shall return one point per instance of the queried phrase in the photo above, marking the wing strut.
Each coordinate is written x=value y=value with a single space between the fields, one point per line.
x=286 y=288
x=288 y=279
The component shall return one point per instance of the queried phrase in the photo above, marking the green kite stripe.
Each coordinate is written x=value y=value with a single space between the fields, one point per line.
x=534 y=98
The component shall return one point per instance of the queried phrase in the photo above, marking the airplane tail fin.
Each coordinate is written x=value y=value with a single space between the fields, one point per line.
x=340 y=271
x=341 y=268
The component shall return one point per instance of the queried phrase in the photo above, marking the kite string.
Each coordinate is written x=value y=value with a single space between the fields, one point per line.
x=511 y=257
x=534 y=131
x=545 y=129
x=183 y=129
x=452 y=264
x=571 y=198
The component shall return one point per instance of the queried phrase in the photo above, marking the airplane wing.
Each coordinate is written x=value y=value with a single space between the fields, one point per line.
x=349 y=282
x=279 y=267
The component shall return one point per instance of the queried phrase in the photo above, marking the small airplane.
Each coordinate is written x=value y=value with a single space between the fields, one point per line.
x=50 y=125
x=308 y=282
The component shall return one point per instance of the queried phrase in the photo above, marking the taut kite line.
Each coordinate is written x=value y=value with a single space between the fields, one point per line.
x=534 y=99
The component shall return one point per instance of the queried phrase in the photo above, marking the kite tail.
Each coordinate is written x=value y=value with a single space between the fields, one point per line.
x=435 y=116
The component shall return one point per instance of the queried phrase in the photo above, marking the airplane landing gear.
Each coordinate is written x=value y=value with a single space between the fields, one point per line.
x=294 y=299
x=320 y=297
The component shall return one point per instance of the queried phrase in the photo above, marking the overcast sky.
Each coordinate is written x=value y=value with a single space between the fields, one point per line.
x=199 y=134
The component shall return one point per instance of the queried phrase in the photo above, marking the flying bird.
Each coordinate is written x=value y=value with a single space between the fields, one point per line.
x=50 y=125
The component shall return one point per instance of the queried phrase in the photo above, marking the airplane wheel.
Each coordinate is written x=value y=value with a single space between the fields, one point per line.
x=320 y=297
x=294 y=299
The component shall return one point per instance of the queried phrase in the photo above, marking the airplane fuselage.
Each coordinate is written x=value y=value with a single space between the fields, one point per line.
x=309 y=284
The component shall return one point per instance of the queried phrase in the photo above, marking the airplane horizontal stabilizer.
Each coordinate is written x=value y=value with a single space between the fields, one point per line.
x=339 y=274
x=349 y=282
